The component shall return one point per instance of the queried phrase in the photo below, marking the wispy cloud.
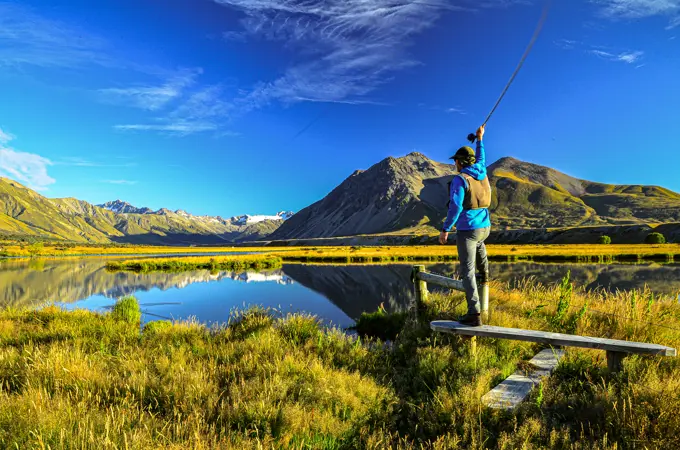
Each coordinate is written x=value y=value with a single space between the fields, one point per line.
x=638 y=9
x=179 y=128
x=624 y=56
x=675 y=22
x=347 y=48
x=30 y=39
x=456 y=111
x=235 y=36
x=201 y=110
x=27 y=168
x=445 y=109
x=5 y=137
x=125 y=182
x=152 y=98
x=78 y=161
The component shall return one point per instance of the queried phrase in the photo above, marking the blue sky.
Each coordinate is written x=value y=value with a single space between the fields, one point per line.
x=194 y=104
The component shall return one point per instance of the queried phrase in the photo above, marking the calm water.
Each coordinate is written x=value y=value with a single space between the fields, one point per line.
x=337 y=294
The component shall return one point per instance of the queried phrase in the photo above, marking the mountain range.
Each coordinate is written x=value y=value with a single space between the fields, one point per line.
x=409 y=194
x=24 y=212
x=398 y=196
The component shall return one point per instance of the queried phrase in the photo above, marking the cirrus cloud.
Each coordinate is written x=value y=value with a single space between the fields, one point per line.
x=346 y=49
x=639 y=9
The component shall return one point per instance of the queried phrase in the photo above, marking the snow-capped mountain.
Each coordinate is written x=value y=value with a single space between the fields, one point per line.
x=121 y=207
x=248 y=219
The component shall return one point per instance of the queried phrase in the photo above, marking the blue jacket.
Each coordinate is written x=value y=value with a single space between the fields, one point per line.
x=472 y=219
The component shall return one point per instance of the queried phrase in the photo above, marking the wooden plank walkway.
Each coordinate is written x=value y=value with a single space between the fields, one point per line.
x=511 y=392
x=554 y=339
x=616 y=349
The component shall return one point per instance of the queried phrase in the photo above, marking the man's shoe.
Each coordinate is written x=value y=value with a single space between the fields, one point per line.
x=471 y=320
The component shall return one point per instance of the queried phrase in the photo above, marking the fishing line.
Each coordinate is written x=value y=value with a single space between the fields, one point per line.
x=472 y=137
x=311 y=123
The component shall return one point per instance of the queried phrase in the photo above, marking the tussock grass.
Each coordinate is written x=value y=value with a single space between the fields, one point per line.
x=539 y=253
x=86 y=380
x=236 y=262
x=61 y=248
x=381 y=254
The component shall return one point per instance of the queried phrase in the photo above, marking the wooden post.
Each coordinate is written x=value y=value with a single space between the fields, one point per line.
x=484 y=300
x=421 y=290
x=615 y=361
x=473 y=346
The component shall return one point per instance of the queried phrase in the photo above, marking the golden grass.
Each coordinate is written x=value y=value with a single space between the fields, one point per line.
x=234 y=262
x=63 y=249
x=366 y=254
x=583 y=253
x=86 y=380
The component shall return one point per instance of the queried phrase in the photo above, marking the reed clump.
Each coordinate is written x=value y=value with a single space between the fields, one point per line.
x=233 y=263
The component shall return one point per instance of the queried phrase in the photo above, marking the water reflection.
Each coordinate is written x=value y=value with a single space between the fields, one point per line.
x=338 y=294
x=660 y=278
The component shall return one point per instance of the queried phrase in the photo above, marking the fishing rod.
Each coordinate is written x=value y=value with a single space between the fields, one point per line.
x=472 y=137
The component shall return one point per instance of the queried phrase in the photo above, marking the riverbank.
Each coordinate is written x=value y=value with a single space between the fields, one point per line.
x=233 y=263
x=504 y=253
x=64 y=249
x=381 y=254
x=285 y=382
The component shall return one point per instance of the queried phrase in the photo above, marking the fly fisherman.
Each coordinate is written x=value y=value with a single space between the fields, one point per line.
x=470 y=198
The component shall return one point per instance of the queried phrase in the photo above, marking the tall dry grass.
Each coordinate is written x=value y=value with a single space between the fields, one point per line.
x=87 y=380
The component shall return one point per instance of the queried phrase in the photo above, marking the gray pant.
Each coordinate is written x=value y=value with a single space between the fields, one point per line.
x=472 y=255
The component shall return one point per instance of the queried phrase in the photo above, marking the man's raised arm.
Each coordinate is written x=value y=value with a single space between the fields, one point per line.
x=480 y=154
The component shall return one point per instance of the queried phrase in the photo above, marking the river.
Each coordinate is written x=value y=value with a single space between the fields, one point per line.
x=336 y=294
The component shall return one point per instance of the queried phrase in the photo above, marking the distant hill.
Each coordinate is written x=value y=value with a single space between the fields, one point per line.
x=532 y=196
x=24 y=212
x=409 y=194
x=395 y=194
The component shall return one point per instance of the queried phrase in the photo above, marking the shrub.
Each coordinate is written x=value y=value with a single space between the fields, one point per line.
x=127 y=309
x=604 y=240
x=156 y=326
x=655 y=238
x=35 y=248
x=380 y=324
x=299 y=328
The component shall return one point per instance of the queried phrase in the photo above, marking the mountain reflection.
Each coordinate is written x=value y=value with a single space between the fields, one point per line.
x=353 y=289
x=660 y=278
x=32 y=283
x=356 y=289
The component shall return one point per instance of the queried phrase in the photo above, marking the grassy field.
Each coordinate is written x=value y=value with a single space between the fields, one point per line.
x=574 y=253
x=235 y=263
x=356 y=254
x=14 y=249
x=97 y=381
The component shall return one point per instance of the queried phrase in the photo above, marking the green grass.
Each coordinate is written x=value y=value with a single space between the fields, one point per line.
x=127 y=309
x=235 y=263
x=87 y=380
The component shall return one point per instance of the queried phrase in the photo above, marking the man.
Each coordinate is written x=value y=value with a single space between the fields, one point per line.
x=468 y=212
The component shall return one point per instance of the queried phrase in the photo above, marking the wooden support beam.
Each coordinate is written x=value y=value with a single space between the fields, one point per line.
x=440 y=280
x=615 y=361
x=421 y=290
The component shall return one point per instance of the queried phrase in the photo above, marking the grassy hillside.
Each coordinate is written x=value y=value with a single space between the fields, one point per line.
x=409 y=195
x=532 y=196
x=24 y=212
